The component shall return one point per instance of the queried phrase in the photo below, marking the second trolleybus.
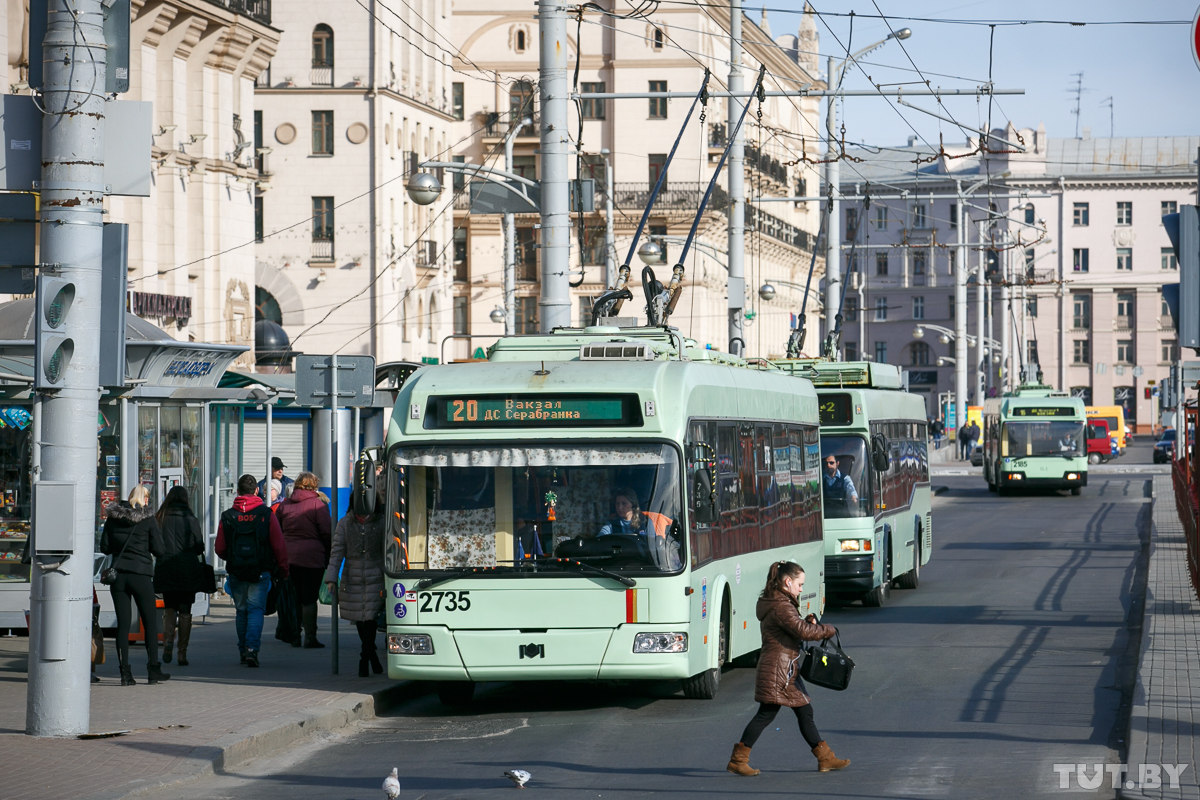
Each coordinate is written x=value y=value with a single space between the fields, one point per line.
x=1034 y=438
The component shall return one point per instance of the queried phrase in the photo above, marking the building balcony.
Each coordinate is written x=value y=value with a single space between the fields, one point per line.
x=426 y=253
x=677 y=196
x=322 y=249
x=497 y=124
x=321 y=75
x=257 y=10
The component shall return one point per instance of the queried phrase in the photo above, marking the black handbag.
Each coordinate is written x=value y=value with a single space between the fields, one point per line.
x=827 y=665
x=109 y=576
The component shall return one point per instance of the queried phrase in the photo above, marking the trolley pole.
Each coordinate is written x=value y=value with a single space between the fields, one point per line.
x=555 y=302
x=737 y=186
x=833 y=268
x=610 y=242
x=960 y=317
x=510 y=241
x=1005 y=320
x=60 y=599
x=981 y=302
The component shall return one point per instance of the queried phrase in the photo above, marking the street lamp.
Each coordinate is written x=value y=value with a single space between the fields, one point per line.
x=944 y=360
x=423 y=188
x=766 y=292
x=650 y=253
x=497 y=316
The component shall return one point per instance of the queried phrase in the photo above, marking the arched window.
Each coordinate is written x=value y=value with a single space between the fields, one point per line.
x=659 y=39
x=521 y=100
x=520 y=42
x=266 y=306
x=919 y=354
x=322 y=46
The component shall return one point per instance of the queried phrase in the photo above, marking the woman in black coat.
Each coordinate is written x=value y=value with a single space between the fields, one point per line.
x=178 y=574
x=132 y=538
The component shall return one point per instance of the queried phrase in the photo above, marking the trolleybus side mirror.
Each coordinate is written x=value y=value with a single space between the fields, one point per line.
x=362 y=490
x=879 y=453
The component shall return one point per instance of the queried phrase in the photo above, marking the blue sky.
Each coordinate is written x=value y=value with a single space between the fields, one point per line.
x=1148 y=70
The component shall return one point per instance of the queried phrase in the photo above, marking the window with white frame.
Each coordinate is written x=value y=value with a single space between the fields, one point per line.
x=881 y=309
x=1125 y=259
x=1169 y=259
x=1124 y=213
x=918 y=308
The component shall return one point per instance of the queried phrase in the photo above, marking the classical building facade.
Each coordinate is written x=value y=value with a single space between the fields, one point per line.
x=1076 y=223
x=191 y=259
x=351 y=103
x=497 y=63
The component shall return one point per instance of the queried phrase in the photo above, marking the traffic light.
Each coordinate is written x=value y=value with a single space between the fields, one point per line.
x=53 y=347
x=1184 y=230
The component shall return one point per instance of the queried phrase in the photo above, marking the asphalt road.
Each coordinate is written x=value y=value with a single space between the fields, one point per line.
x=1014 y=654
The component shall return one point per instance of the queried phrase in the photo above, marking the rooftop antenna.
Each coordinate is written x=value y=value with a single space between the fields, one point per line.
x=609 y=303
x=660 y=301
x=1078 y=90
x=1108 y=103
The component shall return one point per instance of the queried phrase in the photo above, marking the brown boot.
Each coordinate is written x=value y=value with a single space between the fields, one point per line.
x=168 y=633
x=185 y=633
x=739 y=762
x=826 y=760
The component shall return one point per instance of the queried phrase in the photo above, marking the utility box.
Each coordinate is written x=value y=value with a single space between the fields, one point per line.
x=53 y=518
x=117 y=18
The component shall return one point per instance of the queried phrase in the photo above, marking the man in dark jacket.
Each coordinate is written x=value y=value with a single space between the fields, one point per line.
x=251 y=542
x=264 y=486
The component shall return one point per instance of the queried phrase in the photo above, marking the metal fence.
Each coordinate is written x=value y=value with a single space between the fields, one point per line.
x=322 y=250
x=257 y=10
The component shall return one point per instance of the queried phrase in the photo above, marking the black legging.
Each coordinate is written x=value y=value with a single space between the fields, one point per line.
x=366 y=635
x=180 y=601
x=766 y=714
x=141 y=589
x=307 y=581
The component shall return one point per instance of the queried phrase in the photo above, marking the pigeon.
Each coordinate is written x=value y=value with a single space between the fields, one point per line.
x=391 y=785
x=518 y=776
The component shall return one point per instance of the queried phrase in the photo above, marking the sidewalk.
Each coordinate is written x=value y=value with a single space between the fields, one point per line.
x=1165 y=719
x=213 y=713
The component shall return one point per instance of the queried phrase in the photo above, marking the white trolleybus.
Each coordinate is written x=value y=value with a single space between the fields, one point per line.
x=597 y=503
x=1034 y=438
x=874 y=479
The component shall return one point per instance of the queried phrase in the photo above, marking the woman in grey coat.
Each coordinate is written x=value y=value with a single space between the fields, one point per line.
x=359 y=540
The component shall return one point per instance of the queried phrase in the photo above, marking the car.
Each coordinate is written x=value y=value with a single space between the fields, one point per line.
x=977 y=456
x=1164 y=448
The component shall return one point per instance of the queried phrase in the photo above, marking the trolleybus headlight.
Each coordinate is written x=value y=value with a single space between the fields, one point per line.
x=660 y=643
x=854 y=545
x=1072 y=476
x=412 y=644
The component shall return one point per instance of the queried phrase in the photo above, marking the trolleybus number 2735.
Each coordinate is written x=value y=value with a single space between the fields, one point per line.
x=455 y=601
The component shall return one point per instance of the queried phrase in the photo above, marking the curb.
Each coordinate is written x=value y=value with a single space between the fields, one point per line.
x=1138 y=736
x=272 y=736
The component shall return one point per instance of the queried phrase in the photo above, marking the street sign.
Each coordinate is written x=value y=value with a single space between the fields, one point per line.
x=355 y=381
x=1194 y=32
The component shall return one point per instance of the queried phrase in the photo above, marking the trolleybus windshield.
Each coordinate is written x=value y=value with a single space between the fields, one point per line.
x=1045 y=438
x=845 y=488
x=516 y=506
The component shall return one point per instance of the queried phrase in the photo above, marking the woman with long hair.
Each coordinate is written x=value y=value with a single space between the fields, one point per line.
x=178 y=573
x=304 y=517
x=777 y=682
x=132 y=537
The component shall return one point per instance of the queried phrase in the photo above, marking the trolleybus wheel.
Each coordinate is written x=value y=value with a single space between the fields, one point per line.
x=455 y=693
x=878 y=596
x=704 y=686
x=1076 y=490
x=912 y=578
x=1094 y=458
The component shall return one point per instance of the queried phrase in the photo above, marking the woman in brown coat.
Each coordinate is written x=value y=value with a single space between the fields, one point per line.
x=778 y=681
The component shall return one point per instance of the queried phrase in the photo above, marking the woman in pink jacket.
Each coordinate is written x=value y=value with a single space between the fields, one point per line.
x=304 y=518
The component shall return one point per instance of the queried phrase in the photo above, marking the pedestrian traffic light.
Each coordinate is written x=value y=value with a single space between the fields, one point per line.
x=53 y=348
x=1184 y=230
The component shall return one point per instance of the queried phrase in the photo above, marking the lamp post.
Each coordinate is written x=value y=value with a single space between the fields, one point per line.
x=833 y=270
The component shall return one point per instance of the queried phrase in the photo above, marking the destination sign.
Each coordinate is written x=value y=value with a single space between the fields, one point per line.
x=836 y=409
x=487 y=411
x=1044 y=411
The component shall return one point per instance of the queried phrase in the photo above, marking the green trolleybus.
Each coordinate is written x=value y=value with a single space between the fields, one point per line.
x=874 y=481
x=592 y=504
x=1034 y=437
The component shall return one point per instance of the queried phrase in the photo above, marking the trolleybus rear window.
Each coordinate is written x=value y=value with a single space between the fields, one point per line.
x=532 y=411
x=515 y=506
x=836 y=409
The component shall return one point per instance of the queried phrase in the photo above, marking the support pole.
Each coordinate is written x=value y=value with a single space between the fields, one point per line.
x=960 y=316
x=510 y=242
x=610 y=242
x=334 y=501
x=270 y=472
x=72 y=181
x=833 y=237
x=1005 y=322
x=555 y=302
x=981 y=305
x=737 y=187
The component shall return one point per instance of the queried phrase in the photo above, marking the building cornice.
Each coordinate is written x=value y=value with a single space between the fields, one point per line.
x=353 y=91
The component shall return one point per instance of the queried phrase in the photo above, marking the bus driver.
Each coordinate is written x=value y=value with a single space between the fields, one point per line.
x=839 y=490
x=632 y=521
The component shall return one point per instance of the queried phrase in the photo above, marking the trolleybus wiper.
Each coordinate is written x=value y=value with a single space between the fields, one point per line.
x=456 y=572
x=624 y=579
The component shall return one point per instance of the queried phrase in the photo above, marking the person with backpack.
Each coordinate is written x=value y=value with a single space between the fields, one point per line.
x=251 y=542
x=179 y=572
